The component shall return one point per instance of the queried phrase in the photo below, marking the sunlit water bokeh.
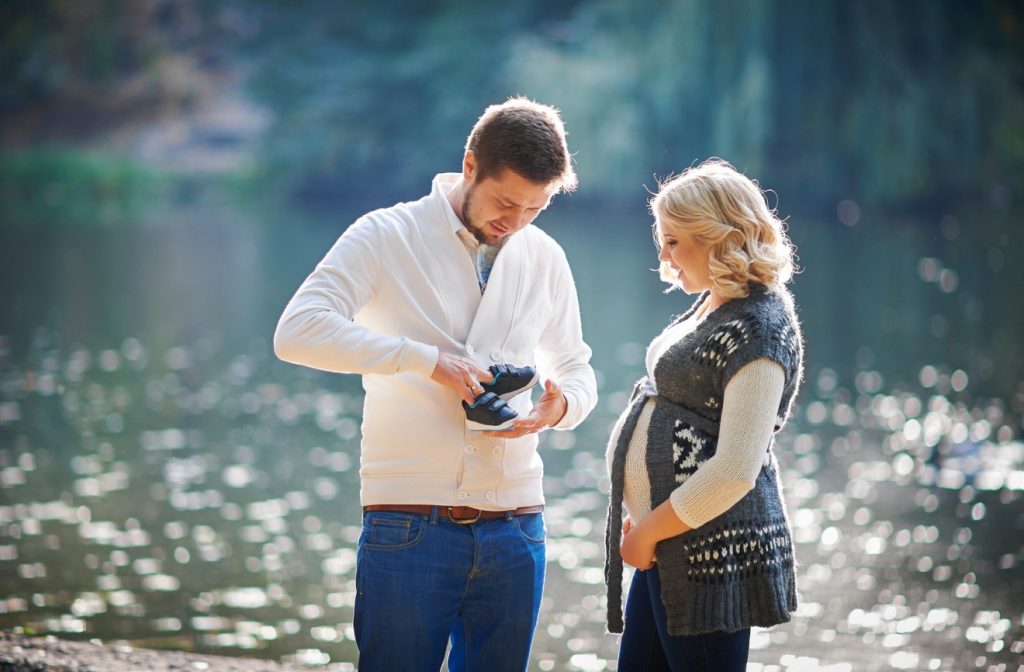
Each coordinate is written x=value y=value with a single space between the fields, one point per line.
x=183 y=490
x=167 y=499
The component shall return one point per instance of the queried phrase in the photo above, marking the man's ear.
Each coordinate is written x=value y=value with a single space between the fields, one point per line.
x=468 y=166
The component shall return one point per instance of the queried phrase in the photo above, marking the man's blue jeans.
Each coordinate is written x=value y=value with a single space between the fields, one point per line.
x=424 y=580
x=646 y=645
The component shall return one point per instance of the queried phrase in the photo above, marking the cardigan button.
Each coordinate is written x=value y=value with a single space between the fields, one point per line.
x=495 y=355
x=470 y=350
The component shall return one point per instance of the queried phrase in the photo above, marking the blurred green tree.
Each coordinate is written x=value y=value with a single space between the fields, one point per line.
x=899 y=104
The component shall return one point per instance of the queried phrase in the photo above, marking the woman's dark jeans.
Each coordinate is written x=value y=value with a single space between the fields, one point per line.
x=646 y=645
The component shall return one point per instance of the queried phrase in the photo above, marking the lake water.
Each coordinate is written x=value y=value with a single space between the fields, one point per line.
x=164 y=480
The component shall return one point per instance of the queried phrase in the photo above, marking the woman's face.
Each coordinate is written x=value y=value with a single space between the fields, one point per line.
x=687 y=259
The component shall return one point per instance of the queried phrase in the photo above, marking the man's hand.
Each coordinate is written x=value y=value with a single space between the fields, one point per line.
x=462 y=375
x=547 y=412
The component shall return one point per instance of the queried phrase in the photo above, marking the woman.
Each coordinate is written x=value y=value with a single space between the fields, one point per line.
x=691 y=456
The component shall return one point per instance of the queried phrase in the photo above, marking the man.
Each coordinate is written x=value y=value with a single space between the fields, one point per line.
x=419 y=298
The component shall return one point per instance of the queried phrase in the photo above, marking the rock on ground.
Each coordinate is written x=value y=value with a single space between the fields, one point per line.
x=49 y=654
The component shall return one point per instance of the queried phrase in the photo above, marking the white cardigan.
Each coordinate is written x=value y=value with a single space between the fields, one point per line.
x=398 y=288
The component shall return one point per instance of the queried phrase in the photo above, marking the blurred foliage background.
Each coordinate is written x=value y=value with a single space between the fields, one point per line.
x=903 y=104
x=170 y=170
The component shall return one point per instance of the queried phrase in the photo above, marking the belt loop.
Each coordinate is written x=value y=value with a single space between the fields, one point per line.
x=434 y=515
x=509 y=515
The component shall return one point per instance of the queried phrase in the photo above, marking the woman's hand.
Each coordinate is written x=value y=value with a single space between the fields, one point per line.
x=637 y=546
x=639 y=540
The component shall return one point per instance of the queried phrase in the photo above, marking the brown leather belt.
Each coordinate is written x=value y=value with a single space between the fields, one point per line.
x=463 y=515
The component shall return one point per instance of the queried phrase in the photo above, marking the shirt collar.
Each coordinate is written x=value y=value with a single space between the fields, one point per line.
x=441 y=187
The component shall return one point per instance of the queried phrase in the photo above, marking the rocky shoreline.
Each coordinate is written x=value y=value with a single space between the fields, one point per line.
x=49 y=654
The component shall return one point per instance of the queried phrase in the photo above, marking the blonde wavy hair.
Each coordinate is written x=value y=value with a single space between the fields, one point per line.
x=728 y=212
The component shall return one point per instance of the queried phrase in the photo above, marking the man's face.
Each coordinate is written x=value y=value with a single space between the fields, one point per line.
x=499 y=205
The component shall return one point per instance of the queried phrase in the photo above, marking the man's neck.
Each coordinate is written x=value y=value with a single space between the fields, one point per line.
x=457 y=198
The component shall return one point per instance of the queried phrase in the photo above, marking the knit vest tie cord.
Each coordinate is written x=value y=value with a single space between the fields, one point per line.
x=737 y=570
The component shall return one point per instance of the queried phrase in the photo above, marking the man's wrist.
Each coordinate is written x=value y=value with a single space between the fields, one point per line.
x=565 y=409
x=559 y=410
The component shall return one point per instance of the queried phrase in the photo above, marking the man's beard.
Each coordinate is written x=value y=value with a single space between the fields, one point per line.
x=471 y=226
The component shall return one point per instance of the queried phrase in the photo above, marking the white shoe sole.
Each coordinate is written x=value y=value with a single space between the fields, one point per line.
x=479 y=427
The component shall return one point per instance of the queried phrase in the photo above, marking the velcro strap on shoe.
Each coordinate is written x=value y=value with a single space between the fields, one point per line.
x=486 y=399
x=497 y=404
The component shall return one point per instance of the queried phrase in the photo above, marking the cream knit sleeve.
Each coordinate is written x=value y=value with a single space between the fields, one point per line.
x=750 y=405
x=318 y=329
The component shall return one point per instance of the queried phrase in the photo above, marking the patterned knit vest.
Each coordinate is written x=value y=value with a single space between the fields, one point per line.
x=737 y=570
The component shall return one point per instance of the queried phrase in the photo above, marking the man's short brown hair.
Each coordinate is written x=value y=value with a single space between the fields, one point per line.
x=525 y=137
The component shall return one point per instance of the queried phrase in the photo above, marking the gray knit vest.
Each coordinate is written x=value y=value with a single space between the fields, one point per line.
x=737 y=570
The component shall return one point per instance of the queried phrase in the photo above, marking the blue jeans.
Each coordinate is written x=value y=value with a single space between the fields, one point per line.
x=424 y=580
x=646 y=645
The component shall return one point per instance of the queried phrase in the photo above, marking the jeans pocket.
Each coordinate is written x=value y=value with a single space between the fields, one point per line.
x=531 y=527
x=392 y=531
